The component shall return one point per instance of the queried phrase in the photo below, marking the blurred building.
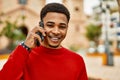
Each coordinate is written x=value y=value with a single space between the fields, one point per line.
x=106 y=14
x=29 y=9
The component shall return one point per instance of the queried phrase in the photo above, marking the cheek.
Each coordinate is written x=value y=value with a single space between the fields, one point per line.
x=64 y=33
x=47 y=31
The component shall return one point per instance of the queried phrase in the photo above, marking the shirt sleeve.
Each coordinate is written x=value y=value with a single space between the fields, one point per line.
x=13 y=68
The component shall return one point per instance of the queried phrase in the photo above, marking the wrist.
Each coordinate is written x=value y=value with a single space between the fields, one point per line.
x=25 y=46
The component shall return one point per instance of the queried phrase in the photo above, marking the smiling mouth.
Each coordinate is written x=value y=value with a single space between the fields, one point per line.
x=54 y=39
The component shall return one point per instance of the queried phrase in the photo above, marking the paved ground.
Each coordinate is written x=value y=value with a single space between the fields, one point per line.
x=96 y=69
x=2 y=61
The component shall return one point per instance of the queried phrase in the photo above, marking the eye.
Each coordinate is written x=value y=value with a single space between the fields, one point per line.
x=62 y=27
x=50 y=25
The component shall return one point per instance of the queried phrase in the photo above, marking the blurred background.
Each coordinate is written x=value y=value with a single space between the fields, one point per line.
x=94 y=31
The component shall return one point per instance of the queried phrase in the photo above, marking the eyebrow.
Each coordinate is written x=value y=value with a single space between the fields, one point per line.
x=63 y=24
x=50 y=22
x=54 y=23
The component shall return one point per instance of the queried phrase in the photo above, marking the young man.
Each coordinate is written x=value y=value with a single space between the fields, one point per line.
x=49 y=61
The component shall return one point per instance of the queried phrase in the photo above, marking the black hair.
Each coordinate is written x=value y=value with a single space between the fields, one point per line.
x=54 y=7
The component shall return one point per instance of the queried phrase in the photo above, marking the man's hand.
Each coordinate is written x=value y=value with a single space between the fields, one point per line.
x=32 y=36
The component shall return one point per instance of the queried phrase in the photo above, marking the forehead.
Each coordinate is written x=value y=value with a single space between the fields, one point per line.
x=53 y=16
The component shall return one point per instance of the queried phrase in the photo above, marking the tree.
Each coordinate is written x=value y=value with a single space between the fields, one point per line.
x=93 y=33
x=13 y=33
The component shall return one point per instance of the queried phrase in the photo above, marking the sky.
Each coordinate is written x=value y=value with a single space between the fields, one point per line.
x=88 y=5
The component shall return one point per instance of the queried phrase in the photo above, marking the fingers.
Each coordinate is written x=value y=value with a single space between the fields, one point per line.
x=32 y=37
x=36 y=36
x=40 y=29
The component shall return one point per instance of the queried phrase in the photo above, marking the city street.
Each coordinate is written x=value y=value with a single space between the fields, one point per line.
x=97 y=70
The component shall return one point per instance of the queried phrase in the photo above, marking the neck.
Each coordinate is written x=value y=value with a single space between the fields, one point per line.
x=51 y=47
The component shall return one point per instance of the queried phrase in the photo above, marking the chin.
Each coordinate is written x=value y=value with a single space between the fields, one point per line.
x=51 y=43
x=54 y=45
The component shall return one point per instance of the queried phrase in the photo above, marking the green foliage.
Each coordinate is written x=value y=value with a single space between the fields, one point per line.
x=93 y=32
x=74 y=48
x=8 y=29
x=13 y=33
x=1 y=22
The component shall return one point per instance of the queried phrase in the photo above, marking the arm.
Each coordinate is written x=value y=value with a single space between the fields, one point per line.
x=13 y=68
x=83 y=73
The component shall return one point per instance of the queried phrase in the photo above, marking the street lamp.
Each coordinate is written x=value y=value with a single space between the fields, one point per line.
x=118 y=1
x=118 y=41
x=106 y=24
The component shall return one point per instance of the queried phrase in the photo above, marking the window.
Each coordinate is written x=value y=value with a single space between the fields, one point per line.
x=23 y=2
x=76 y=9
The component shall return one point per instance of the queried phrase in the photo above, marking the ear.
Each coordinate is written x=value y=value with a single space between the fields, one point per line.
x=41 y=24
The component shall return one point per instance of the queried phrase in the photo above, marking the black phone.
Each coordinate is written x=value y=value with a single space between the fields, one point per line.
x=41 y=24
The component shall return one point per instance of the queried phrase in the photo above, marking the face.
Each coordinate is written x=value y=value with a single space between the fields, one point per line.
x=56 y=25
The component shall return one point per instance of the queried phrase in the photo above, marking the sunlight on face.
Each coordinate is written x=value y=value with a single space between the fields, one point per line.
x=56 y=25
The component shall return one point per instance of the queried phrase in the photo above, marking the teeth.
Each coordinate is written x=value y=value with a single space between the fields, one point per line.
x=54 y=39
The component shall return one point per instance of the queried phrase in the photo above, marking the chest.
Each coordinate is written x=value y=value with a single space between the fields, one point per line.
x=52 y=68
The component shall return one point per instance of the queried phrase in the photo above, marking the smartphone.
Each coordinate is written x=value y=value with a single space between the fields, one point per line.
x=41 y=24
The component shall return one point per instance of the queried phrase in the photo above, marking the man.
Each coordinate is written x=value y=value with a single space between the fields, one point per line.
x=50 y=60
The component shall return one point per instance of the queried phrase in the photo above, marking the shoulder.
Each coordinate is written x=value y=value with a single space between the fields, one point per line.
x=73 y=54
x=74 y=58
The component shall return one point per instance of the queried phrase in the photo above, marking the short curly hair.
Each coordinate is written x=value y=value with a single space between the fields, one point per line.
x=54 y=7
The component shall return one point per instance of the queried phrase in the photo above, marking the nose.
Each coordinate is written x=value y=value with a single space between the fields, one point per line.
x=56 y=30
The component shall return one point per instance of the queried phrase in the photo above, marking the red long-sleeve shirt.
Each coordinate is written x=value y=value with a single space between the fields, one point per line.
x=43 y=64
